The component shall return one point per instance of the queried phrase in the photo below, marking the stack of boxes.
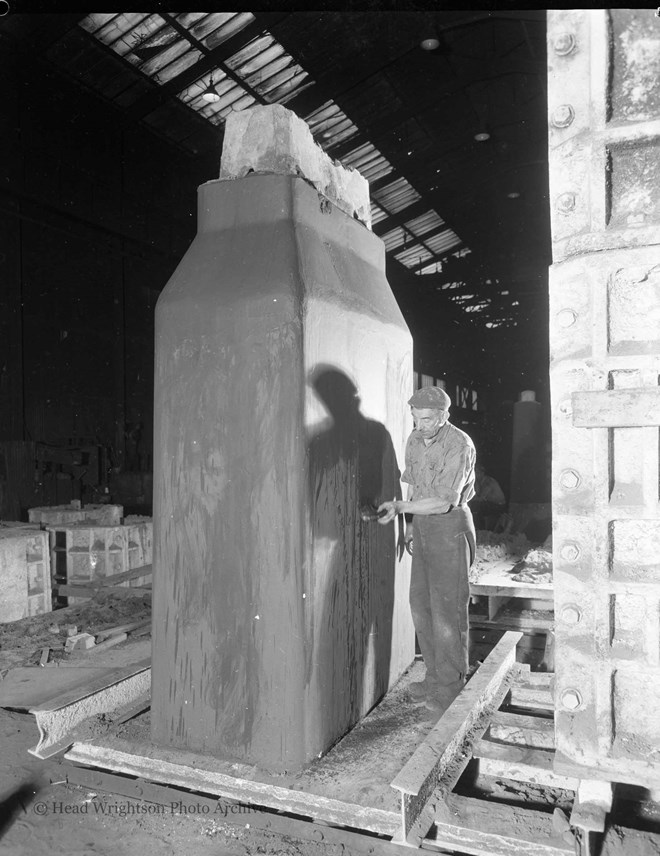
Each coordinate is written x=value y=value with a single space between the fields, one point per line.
x=68 y=544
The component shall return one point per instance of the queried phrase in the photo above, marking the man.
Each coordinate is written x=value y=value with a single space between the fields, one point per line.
x=440 y=461
x=489 y=502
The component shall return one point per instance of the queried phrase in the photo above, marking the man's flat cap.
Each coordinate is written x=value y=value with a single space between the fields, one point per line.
x=430 y=397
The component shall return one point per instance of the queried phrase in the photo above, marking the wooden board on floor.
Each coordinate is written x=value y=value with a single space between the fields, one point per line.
x=525 y=824
x=357 y=770
x=520 y=763
x=200 y=773
x=532 y=694
x=26 y=687
x=533 y=731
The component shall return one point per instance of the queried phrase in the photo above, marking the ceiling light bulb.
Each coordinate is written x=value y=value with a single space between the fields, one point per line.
x=210 y=95
x=430 y=44
x=482 y=137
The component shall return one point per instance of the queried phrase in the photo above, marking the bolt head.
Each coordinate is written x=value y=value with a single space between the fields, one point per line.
x=570 y=551
x=565 y=203
x=566 y=318
x=571 y=699
x=571 y=614
x=569 y=479
x=564 y=44
x=562 y=116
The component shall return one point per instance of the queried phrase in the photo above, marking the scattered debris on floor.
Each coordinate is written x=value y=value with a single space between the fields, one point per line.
x=22 y=642
x=534 y=567
x=493 y=547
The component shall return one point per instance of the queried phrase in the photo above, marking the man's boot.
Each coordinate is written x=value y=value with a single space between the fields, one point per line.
x=421 y=690
x=443 y=696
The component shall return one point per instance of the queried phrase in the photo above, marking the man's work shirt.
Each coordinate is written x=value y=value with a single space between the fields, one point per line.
x=444 y=469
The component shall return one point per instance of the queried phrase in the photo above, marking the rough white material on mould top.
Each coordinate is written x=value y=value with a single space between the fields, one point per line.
x=272 y=139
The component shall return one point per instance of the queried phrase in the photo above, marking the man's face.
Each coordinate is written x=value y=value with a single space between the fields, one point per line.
x=428 y=421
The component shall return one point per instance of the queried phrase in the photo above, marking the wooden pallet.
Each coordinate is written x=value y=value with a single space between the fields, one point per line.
x=502 y=719
x=514 y=605
x=499 y=589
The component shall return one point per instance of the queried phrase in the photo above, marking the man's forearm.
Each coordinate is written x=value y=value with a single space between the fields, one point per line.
x=432 y=505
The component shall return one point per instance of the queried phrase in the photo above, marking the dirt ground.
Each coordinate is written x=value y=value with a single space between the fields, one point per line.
x=40 y=813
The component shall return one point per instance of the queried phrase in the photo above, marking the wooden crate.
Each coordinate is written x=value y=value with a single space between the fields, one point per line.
x=81 y=554
x=65 y=515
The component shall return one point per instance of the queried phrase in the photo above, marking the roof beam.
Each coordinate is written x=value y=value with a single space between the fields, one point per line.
x=213 y=59
x=422 y=206
x=44 y=29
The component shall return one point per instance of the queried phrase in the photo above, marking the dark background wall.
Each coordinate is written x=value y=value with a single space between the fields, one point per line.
x=94 y=216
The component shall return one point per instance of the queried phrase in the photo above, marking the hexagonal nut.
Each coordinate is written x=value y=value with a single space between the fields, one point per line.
x=571 y=614
x=562 y=116
x=569 y=479
x=565 y=203
x=564 y=43
x=566 y=318
x=571 y=699
x=570 y=551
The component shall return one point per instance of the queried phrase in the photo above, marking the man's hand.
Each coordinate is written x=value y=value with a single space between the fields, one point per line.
x=391 y=509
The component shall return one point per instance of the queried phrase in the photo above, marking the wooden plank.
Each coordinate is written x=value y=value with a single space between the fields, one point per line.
x=520 y=823
x=495 y=604
x=236 y=813
x=501 y=586
x=95 y=684
x=477 y=843
x=534 y=731
x=122 y=628
x=515 y=622
x=25 y=687
x=521 y=764
x=88 y=591
x=188 y=770
x=124 y=576
x=617 y=408
x=438 y=762
x=537 y=679
x=529 y=694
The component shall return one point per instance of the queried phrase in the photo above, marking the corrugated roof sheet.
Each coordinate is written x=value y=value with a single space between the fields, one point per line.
x=413 y=256
x=426 y=223
x=266 y=67
x=330 y=125
x=377 y=213
x=442 y=242
x=151 y=44
x=368 y=161
x=394 y=239
x=259 y=71
x=396 y=196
